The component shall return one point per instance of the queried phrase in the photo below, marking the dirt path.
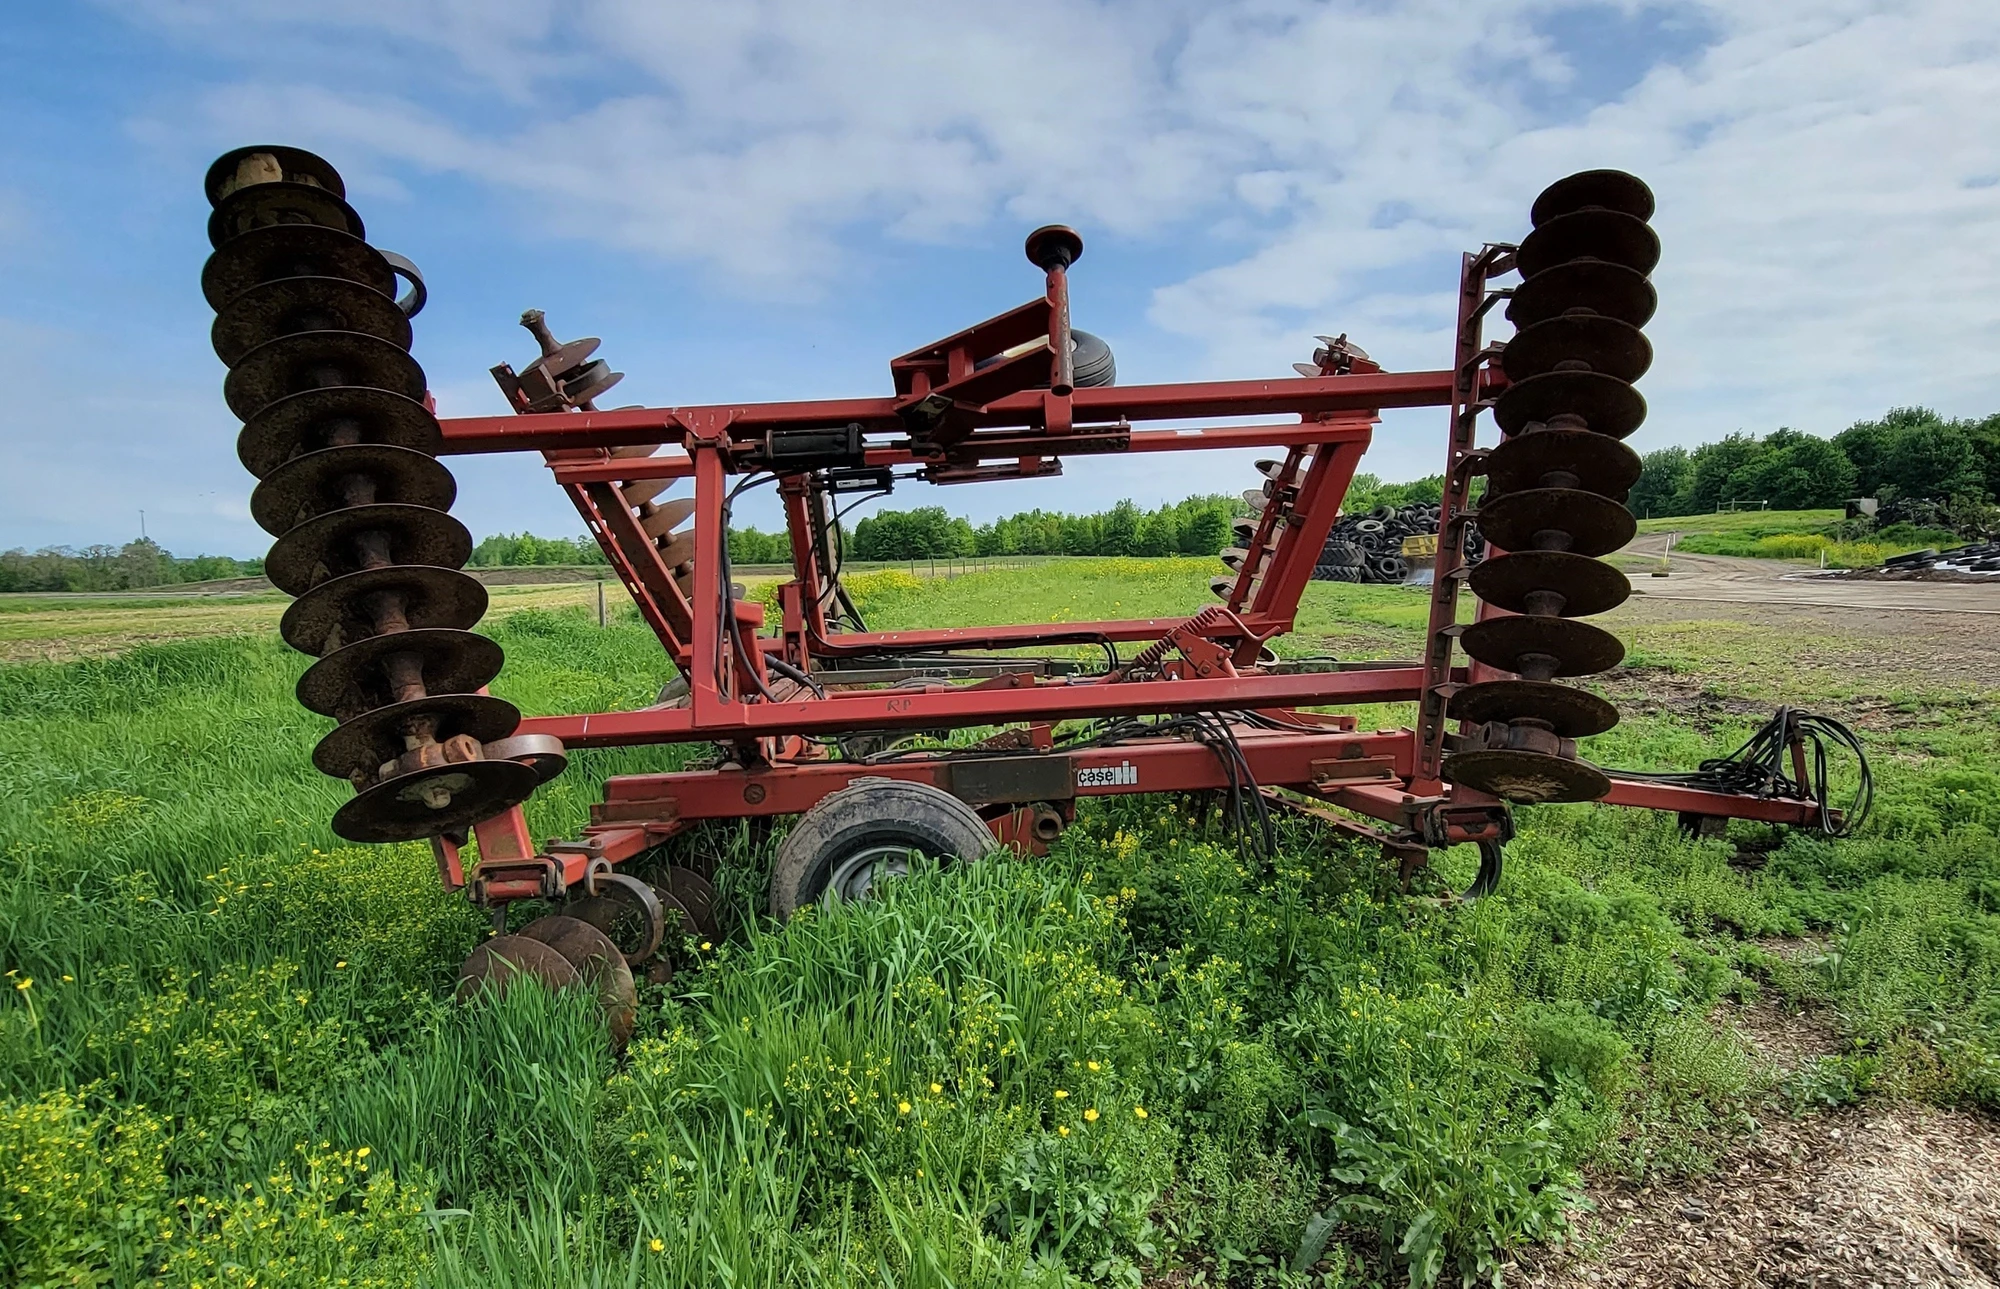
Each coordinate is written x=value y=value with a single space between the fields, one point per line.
x=1880 y=1194
x=1722 y=579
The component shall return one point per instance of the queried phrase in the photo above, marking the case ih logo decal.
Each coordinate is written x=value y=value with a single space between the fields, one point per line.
x=1122 y=775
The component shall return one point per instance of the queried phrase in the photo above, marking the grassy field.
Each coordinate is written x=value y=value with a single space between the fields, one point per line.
x=228 y=1054
x=1807 y=536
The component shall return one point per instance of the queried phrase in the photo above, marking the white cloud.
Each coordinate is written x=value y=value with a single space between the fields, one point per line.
x=1825 y=170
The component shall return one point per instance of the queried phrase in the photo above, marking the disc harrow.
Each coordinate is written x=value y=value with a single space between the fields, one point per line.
x=815 y=716
x=338 y=430
x=1556 y=485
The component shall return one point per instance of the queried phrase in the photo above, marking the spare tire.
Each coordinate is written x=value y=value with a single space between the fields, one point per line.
x=1091 y=363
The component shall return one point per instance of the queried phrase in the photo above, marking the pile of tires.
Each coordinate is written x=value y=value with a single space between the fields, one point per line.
x=1369 y=547
x=1977 y=557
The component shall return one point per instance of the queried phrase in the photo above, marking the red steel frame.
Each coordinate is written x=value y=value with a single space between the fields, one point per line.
x=983 y=425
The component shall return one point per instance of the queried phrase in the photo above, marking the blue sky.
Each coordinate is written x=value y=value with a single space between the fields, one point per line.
x=766 y=200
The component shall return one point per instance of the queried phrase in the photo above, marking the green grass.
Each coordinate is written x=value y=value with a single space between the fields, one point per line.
x=229 y=1048
x=1745 y=523
x=1806 y=536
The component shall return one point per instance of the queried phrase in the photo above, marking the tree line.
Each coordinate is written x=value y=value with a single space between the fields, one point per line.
x=1194 y=526
x=1910 y=454
x=134 y=566
x=520 y=550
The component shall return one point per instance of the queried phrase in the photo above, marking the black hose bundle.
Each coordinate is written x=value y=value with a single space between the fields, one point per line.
x=1762 y=768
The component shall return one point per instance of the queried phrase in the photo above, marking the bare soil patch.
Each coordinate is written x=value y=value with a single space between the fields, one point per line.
x=1642 y=690
x=1877 y=1195
x=1877 y=647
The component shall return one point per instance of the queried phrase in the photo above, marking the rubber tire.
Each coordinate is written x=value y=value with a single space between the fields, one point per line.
x=871 y=812
x=1091 y=363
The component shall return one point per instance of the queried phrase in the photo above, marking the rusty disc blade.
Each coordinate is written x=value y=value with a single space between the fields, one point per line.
x=268 y=205
x=324 y=547
x=1610 y=189
x=290 y=305
x=598 y=962
x=310 y=421
x=1572 y=713
x=1611 y=290
x=313 y=484
x=351 y=680
x=677 y=548
x=594 y=381
x=363 y=744
x=1587 y=585
x=693 y=892
x=624 y=922
x=1579 y=649
x=640 y=491
x=1590 y=234
x=667 y=516
x=1605 y=344
x=1526 y=778
x=398 y=809
x=1608 y=406
x=680 y=920
x=1596 y=525
x=1233 y=557
x=315 y=360
x=291 y=250
x=1600 y=463
x=498 y=962
x=542 y=753
x=296 y=164
x=341 y=610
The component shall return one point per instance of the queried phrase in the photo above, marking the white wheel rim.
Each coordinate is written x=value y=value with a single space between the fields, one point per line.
x=854 y=878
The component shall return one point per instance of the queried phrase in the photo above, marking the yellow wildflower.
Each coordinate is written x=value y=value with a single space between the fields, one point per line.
x=1139 y=1110
x=1090 y=1115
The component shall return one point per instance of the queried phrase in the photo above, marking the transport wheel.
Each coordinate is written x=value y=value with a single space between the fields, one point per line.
x=865 y=834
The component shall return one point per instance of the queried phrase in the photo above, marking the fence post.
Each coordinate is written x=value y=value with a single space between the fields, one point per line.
x=600 y=601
